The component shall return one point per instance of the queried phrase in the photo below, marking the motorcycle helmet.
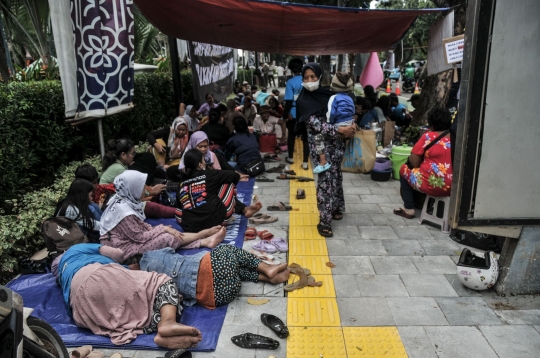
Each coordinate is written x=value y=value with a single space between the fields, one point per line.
x=476 y=272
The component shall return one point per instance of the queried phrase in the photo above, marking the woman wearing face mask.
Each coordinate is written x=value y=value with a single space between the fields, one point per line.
x=312 y=105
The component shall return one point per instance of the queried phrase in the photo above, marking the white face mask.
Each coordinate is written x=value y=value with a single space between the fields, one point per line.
x=311 y=86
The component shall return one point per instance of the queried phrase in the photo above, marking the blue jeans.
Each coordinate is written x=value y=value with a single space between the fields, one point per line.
x=407 y=193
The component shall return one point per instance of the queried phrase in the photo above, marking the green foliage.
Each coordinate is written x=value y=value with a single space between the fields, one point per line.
x=411 y=135
x=35 y=139
x=245 y=75
x=19 y=231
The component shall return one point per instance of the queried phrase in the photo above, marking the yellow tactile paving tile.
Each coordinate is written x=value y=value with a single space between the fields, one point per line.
x=312 y=312
x=308 y=247
x=326 y=290
x=301 y=184
x=300 y=219
x=316 y=264
x=304 y=233
x=373 y=342
x=315 y=342
x=301 y=207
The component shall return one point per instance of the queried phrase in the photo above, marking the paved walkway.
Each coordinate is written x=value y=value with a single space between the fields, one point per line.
x=393 y=291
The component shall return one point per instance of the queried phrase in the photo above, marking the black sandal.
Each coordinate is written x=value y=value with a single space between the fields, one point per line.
x=250 y=340
x=325 y=231
x=337 y=215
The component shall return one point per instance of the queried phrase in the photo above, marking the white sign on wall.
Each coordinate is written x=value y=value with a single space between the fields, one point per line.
x=453 y=49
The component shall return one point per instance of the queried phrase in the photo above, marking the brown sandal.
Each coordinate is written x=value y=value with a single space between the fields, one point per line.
x=402 y=213
x=300 y=194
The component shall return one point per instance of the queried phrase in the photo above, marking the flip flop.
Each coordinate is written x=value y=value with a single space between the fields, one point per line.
x=250 y=340
x=313 y=283
x=402 y=213
x=275 y=324
x=301 y=283
x=264 y=179
x=267 y=259
x=286 y=177
x=290 y=172
x=271 y=160
x=279 y=207
x=263 y=219
x=179 y=353
x=274 y=170
x=264 y=247
x=251 y=233
x=280 y=244
x=265 y=235
x=300 y=194
x=297 y=269
x=304 y=179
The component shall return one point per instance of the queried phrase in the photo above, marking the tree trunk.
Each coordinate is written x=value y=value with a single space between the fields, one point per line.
x=326 y=66
x=339 y=66
x=436 y=87
x=437 y=95
x=4 y=67
x=351 y=63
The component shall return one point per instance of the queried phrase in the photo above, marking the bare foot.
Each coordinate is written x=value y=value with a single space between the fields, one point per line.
x=271 y=270
x=251 y=210
x=214 y=240
x=177 y=342
x=209 y=232
x=281 y=277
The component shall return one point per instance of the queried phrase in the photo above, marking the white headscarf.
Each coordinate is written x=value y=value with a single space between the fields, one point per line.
x=192 y=123
x=127 y=200
x=177 y=121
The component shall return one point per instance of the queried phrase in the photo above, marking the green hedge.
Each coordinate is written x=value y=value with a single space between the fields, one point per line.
x=35 y=140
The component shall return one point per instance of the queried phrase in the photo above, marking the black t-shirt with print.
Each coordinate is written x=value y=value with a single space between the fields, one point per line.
x=199 y=198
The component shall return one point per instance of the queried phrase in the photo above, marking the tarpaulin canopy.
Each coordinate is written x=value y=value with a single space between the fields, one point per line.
x=280 y=27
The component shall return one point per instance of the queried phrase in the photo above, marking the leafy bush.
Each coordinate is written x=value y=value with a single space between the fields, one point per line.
x=35 y=139
x=244 y=75
x=19 y=231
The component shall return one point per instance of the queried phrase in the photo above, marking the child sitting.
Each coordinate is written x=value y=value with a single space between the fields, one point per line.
x=340 y=113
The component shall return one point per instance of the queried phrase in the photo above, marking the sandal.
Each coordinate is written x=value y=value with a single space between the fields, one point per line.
x=304 y=179
x=264 y=247
x=279 y=207
x=265 y=235
x=325 y=231
x=300 y=194
x=274 y=170
x=179 y=353
x=286 y=177
x=280 y=244
x=402 y=213
x=259 y=219
x=264 y=179
x=250 y=234
x=301 y=283
x=297 y=269
x=267 y=259
x=337 y=215
x=290 y=172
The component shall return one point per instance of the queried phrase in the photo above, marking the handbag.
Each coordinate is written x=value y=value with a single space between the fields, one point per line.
x=408 y=163
x=255 y=167
x=360 y=152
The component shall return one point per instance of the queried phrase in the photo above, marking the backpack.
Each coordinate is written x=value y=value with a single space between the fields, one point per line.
x=60 y=233
x=342 y=108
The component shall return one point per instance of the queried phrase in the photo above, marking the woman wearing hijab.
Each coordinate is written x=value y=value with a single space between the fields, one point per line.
x=208 y=197
x=311 y=107
x=168 y=144
x=118 y=301
x=123 y=226
x=199 y=140
x=189 y=114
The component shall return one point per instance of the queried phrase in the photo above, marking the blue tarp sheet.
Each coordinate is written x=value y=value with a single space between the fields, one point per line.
x=41 y=293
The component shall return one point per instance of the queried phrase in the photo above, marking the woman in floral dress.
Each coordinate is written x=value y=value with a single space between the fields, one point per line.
x=430 y=170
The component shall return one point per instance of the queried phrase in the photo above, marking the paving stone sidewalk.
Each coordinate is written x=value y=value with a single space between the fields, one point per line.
x=390 y=271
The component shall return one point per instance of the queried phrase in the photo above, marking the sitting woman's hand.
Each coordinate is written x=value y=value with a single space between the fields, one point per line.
x=159 y=147
x=157 y=189
x=243 y=177
x=347 y=132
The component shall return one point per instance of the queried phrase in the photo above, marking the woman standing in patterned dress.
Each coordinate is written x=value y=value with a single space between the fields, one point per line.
x=311 y=109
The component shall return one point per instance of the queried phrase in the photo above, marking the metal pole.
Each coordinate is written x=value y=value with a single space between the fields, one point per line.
x=175 y=67
x=101 y=141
